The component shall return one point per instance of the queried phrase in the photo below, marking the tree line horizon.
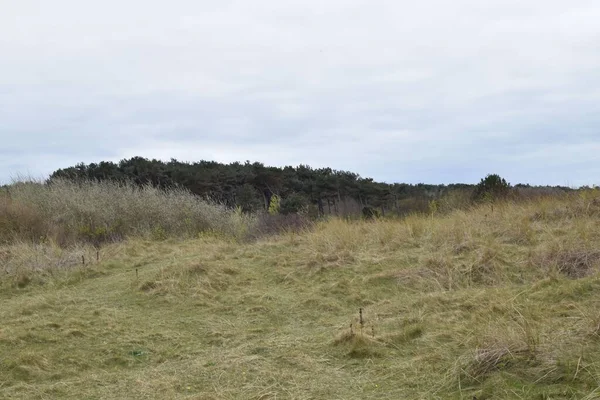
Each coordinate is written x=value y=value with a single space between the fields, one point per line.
x=254 y=187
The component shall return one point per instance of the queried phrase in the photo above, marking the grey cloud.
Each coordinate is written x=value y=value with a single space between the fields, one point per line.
x=426 y=91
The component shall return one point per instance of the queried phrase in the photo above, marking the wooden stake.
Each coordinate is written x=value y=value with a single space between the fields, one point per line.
x=361 y=320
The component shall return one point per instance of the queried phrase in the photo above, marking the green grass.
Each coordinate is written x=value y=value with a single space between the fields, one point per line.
x=477 y=304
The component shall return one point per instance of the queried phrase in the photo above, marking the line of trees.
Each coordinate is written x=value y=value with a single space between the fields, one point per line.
x=252 y=186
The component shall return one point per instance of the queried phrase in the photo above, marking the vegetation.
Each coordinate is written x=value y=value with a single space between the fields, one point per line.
x=458 y=302
x=67 y=212
x=319 y=192
x=492 y=187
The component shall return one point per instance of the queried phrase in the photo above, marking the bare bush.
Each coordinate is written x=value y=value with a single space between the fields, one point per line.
x=97 y=212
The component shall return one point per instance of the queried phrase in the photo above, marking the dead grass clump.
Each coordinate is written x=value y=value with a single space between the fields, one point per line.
x=415 y=278
x=359 y=345
x=497 y=356
x=320 y=262
x=574 y=263
x=406 y=334
x=23 y=264
x=512 y=347
x=447 y=273
x=521 y=232
x=185 y=279
x=500 y=353
x=28 y=367
x=577 y=264
x=485 y=268
x=462 y=248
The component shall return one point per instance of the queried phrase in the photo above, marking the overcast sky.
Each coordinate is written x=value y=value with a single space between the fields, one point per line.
x=432 y=91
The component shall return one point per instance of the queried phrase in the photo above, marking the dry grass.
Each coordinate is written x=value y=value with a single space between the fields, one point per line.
x=97 y=212
x=25 y=263
x=481 y=303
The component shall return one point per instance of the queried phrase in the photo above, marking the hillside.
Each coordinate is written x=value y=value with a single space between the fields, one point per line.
x=490 y=303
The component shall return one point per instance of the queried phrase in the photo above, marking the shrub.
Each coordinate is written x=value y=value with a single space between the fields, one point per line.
x=491 y=188
x=19 y=221
x=370 y=213
x=96 y=212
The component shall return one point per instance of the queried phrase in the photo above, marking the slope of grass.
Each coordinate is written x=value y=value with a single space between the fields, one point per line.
x=485 y=304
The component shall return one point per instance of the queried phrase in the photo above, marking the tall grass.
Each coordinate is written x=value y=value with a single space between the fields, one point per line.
x=486 y=245
x=66 y=213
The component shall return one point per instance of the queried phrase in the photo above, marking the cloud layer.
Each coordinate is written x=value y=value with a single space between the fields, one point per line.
x=433 y=92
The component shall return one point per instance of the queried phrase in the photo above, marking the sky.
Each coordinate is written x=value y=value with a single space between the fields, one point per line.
x=433 y=91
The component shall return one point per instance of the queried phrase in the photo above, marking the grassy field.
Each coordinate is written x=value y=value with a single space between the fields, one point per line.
x=499 y=303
